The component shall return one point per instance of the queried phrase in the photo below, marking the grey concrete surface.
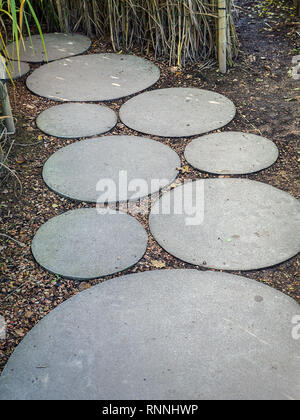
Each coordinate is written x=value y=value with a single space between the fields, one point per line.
x=231 y=153
x=15 y=70
x=93 y=77
x=58 y=45
x=177 y=112
x=228 y=224
x=75 y=171
x=163 y=335
x=83 y=244
x=75 y=120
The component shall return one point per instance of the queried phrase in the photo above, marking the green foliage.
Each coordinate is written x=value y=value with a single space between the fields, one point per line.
x=14 y=16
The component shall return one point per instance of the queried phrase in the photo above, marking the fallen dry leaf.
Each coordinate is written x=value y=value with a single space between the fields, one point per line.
x=20 y=159
x=158 y=264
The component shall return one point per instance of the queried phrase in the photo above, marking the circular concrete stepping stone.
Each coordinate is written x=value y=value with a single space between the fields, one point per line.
x=177 y=112
x=95 y=77
x=58 y=45
x=228 y=224
x=15 y=71
x=163 y=335
x=83 y=244
x=231 y=153
x=76 y=120
x=111 y=169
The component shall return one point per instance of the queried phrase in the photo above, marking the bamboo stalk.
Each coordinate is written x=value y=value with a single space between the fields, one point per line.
x=182 y=31
x=222 y=24
x=60 y=15
x=297 y=5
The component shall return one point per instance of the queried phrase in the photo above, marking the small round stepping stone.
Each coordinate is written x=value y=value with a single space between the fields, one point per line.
x=177 y=112
x=84 y=244
x=94 y=77
x=231 y=153
x=76 y=120
x=58 y=45
x=111 y=169
x=161 y=335
x=16 y=70
x=228 y=224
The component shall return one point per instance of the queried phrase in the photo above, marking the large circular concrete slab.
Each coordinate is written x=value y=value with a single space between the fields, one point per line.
x=16 y=70
x=58 y=45
x=83 y=244
x=231 y=153
x=76 y=120
x=163 y=335
x=228 y=224
x=177 y=112
x=111 y=169
x=94 y=77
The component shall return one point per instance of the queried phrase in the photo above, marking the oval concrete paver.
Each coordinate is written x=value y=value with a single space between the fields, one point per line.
x=177 y=112
x=58 y=45
x=16 y=70
x=76 y=120
x=163 y=335
x=93 y=77
x=83 y=244
x=231 y=153
x=111 y=169
x=228 y=224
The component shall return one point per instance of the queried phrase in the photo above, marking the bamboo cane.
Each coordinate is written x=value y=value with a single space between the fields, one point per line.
x=297 y=5
x=222 y=18
x=182 y=31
